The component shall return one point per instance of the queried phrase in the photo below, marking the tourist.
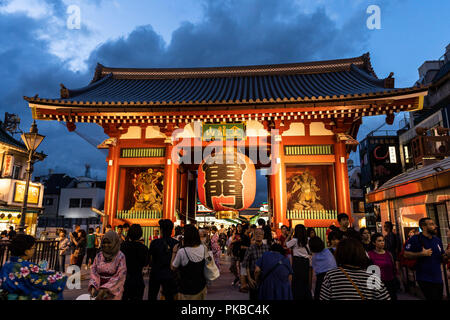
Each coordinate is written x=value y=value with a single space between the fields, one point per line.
x=243 y=246
x=273 y=272
x=283 y=236
x=215 y=246
x=91 y=251
x=383 y=259
x=73 y=238
x=252 y=254
x=120 y=233
x=178 y=233
x=430 y=254
x=392 y=241
x=126 y=228
x=154 y=237
x=108 y=228
x=267 y=231
x=4 y=235
x=190 y=260
x=301 y=263
x=365 y=239
x=63 y=248
x=322 y=261
x=204 y=237
x=98 y=239
x=310 y=232
x=80 y=247
x=344 y=227
x=349 y=281
x=24 y=280
x=136 y=257
x=109 y=270
x=222 y=238
x=12 y=233
x=333 y=240
x=235 y=245
x=160 y=257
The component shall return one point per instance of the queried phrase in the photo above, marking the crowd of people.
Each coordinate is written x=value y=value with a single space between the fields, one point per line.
x=271 y=267
x=266 y=265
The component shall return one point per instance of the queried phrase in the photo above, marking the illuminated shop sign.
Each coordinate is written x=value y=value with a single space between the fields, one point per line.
x=33 y=193
x=392 y=155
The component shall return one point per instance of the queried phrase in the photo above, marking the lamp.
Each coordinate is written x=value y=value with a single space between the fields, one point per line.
x=32 y=141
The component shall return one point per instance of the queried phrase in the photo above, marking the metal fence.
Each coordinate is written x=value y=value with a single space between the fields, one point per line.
x=45 y=250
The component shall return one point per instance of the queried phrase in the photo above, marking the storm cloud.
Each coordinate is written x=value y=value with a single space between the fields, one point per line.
x=232 y=32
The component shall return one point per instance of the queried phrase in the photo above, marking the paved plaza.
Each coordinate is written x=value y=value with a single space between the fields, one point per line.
x=221 y=289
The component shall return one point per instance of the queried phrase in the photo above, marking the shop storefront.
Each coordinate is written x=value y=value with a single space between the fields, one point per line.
x=408 y=197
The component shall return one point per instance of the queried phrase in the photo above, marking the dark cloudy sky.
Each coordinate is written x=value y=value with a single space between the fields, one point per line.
x=38 y=51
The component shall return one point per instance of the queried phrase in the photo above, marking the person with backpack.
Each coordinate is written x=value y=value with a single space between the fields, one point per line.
x=189 y=259
x=273 y=272
x=301 y=263
x=428 y=251
x=160 y=256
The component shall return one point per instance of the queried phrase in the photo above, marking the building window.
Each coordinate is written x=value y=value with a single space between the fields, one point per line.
x=74 y=203
x=16 y=172
x=86 y=203
x=48 y=201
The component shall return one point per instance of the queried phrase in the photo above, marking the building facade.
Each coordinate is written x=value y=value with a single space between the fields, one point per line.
x=14 y=156
x=300 y=120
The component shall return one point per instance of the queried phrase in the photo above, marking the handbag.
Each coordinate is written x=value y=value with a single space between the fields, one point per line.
x=210 y=271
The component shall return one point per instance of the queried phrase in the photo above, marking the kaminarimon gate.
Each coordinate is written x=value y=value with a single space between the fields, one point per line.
x=301 y=120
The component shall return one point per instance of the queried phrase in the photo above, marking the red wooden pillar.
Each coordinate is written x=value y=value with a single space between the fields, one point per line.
x=183 y=194
x=278 y=185
x=112 y=178
x=170 y=185
x=341 y=174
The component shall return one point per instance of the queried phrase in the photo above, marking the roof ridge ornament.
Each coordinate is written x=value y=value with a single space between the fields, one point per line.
x=389 y=81
x=98 y=72
x=368 y=64
x=64 y=92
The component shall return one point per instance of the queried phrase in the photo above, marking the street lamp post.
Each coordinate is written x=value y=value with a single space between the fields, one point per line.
x=32 y=141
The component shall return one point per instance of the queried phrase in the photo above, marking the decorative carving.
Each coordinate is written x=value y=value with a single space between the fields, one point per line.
x=64 y=92
x=147 y=194
x=347 y=139
x=303 y=192
x=110 y=142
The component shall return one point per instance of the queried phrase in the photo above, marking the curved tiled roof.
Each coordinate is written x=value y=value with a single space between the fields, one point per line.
x=420 y=173
x=9 y=140
x=296 y=82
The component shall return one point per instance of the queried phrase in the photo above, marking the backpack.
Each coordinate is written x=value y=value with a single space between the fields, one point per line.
x=410 y=263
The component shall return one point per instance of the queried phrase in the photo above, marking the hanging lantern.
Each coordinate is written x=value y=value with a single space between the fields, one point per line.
x=228 y=186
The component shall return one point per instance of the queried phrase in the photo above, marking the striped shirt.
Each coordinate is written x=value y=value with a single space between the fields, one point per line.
x=336 y=286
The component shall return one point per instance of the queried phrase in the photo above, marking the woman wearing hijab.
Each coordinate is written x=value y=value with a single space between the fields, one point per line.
x=109 y=270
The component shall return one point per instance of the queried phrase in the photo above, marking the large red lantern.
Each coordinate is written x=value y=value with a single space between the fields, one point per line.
x=229 y=185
